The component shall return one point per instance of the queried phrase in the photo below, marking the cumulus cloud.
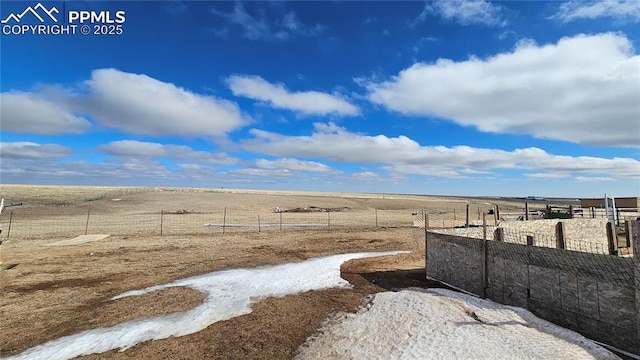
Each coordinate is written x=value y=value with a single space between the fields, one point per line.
x=365 y=176
x=405 y=156
x=293 y=165
x=260 y=27
x=583 y=89
x=624 y=10
x=267 y=173
x=26 y=162
x=593 y=179
x=546 y=176
x=133 y=103
x=141 y=149
x=139 y=104
x=464 y=12
x=30 y=113
x=32 y=151
x=278 y=96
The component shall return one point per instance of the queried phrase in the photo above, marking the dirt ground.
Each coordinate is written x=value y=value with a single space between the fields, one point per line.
x=58 y=291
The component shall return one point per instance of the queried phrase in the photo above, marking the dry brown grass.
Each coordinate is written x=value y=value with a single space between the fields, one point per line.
x=58 y=291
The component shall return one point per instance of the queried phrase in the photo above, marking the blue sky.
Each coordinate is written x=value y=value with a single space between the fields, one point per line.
x=472 y=97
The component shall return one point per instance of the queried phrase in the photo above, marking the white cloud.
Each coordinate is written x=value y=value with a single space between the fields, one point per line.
x=546 y=176
x=193 y=167
x=405 y=156
x=593 y=179
x=625 y=10
x=115 y=171
x=464 y=12
x=133 y=103
x=32 y=151
x=133 y=148
x=30 y=113
x=268 y=173
x=365 y=176
x=140 y=149
x=574 y=90
x=293 y=165
x=139 y=104
x=278 y=96
x=261 y=28
x=26 y=162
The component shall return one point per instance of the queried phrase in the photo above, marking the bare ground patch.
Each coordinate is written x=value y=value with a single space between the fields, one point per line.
x=59 y=291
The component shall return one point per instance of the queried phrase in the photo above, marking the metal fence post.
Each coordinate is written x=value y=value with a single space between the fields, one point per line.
x=376 y=218
x=485 y=258
x=426 y=252
x=258 y=222
x=224 y=219
x=280 y=220
x=530 y=241
x=485 y=268
x=612 y=238
x=161 y=220
x=10 y=221
x=467 y=220
x=484 y=226
x=328 y=220
x=86 y=227
x=560 y=235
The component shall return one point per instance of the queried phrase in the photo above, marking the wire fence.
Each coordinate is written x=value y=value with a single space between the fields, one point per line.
x=587 y=251
x=78 y=221
x=454 y=217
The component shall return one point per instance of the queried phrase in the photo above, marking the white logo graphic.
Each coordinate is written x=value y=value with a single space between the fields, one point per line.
x=34 y=11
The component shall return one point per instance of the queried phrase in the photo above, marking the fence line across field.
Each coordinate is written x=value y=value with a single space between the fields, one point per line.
x=23 y=225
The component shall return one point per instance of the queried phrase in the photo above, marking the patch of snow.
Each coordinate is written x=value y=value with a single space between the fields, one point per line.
x=443 y=324
x=229 y=293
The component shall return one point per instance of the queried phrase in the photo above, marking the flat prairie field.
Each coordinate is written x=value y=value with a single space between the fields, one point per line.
x=47 y=292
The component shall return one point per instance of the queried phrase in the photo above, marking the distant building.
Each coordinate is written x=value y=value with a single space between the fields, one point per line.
x=621 y=202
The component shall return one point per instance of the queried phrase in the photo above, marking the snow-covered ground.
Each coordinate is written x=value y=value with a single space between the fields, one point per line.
x=229 y=293
x=443 y=324
x=407 y=324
